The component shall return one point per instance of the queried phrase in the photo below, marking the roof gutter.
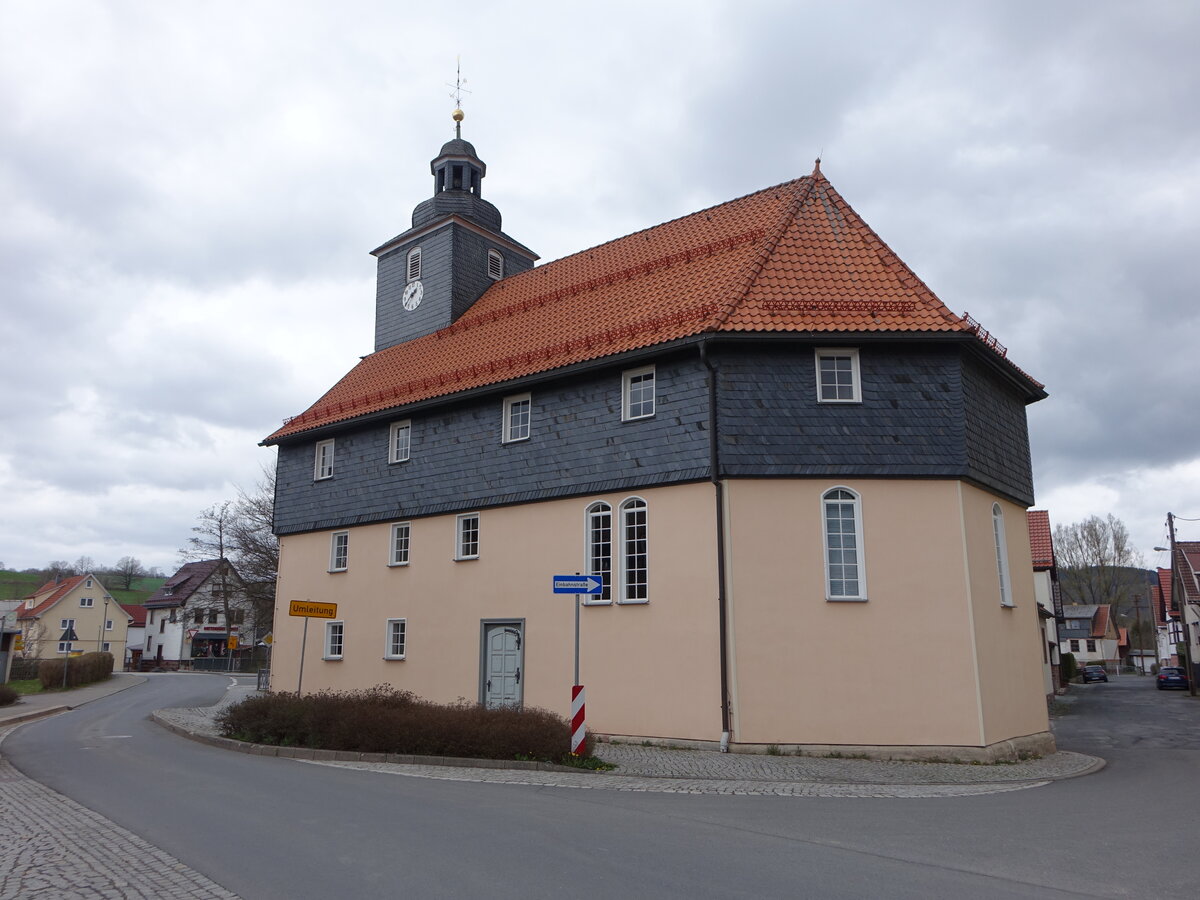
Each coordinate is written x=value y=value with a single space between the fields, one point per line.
x=714 y=468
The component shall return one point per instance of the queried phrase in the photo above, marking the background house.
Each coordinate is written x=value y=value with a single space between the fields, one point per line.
x=1088 y=632
x=192 y=616
x=135 y=640
x=79 y=604
x=1168 y=627
x=1049 y=598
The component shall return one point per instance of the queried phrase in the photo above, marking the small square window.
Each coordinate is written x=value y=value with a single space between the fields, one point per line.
x=516 y=418
x=334 y=635
x=396 y=633
x=838 y=376
x=323 y=463
x=64 y=646
x=105 y=647
x=339 y=551
x=108 y=625
x=467 y=542
x=87 y=601
x=637 y=393
x=400 y=539
x=400 y=441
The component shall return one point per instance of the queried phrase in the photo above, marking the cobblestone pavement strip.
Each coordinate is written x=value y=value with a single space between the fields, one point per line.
x=664 y=770
x=52 y=848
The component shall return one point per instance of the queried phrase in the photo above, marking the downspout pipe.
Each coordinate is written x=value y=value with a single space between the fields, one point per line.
x=714 y=469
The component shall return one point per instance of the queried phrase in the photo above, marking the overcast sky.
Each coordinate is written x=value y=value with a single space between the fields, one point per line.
x=189 y=191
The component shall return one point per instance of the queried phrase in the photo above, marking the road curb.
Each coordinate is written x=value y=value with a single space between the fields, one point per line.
x=309 y=753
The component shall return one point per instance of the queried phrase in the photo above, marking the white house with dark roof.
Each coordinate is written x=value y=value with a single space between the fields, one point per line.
x=186 y=617
x=754 y=424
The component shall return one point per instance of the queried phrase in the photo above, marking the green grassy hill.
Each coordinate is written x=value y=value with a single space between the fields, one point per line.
x=17 y=585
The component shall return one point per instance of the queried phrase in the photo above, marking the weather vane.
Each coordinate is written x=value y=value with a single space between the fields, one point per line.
x=459 y=90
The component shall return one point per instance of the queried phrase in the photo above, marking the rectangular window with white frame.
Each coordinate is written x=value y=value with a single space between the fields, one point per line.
x=516 y=418
x=845 y=576
x=339 y=551
x=87 y=602
x=105 y=647
x=323 y=460
x=466 y=544
x=401 y=533
x=335 y=633
x=637 y=393
x=1091 y=645
x=108 y=625
x=396 y=638
x=635 y=553
x=400 y=441
x=1074 y=646
x=64 y=646
x=838 y=376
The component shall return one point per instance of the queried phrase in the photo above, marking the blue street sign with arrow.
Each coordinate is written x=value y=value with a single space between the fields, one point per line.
x=578 y=584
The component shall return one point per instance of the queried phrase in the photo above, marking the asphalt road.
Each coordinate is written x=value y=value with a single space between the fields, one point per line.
x=273 y=828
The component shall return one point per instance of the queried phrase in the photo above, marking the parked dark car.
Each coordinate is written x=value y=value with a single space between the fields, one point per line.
x=1094 y=673
x=1172 y=677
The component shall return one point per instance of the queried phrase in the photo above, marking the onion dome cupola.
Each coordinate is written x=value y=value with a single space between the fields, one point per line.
x=431 y=274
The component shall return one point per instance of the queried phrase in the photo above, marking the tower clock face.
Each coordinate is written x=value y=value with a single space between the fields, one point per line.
x=412 y=295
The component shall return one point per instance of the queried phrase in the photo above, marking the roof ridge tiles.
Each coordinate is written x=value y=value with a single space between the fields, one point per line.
x=765 y=252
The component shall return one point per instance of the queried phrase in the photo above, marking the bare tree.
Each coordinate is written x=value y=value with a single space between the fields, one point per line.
x=1096 y=561
x=83 y=565
x=57 y=568
x=255 y=546
x=128 y=569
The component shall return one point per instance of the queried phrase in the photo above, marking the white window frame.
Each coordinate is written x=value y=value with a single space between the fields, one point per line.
x=630 y=506
x=412 y=265
x=389 y=639
x=66 y=623
x=855 y=375
x=64 y=646
x=627 y=379
x=592 y=513
x=105 y=647
x=108 y=624
x=400 y=441
x=860 y=563
x=398 y=554
x=461 y=546
x=339 y=551
x=87 y=602
x=495 y=266
x=512 y=404
x=338 y=626
x=1001 y=544
x=323 y=460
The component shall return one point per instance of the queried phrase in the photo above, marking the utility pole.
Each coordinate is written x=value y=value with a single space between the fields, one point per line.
x=1137 y=609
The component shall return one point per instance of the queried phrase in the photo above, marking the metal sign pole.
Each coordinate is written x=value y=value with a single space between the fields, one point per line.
x=303 y=641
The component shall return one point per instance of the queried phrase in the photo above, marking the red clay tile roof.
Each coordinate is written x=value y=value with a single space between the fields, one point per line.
x=1100 y=621
x=790 y=258
x=1122 y=637
x=1187 y=564
x=47 y=595
x=1164 y=592
x=1040 y=540
x=135 y=612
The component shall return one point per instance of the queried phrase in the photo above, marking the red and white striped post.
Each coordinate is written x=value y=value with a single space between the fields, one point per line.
x=578 y=729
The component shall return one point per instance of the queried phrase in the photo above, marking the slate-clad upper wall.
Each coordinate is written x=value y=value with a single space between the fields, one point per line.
x=578 y=444
x=997 y=433
x=395 y=324
x=909 y=421
x=927 y=411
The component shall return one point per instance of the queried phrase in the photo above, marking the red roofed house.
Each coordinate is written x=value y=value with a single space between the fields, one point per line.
x=755 y=425
x=136 y=636
x=1167 y=623
x=1049 y=598
x=78 y=605
x=1184 y=599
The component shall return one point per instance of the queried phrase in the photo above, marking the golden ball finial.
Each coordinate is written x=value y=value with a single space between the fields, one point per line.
x=457 y=115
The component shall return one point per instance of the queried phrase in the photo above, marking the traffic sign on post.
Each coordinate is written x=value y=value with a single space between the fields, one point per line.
x=578 y=584
x=311 y=608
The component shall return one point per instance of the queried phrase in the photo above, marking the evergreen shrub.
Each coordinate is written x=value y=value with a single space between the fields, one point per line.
x=384 y=720
x=1070 y=668
x=85 y=669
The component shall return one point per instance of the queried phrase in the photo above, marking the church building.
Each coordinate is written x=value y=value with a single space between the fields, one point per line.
x=799 y=477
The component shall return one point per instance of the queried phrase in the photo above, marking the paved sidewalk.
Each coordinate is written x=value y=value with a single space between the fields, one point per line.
x=658 y=769
x=53 y=848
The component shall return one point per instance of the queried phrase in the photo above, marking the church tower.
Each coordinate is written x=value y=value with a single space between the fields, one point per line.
x=431 y=274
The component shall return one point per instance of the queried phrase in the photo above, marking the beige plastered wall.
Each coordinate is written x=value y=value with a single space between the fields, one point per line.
x=649 y=669
x=89 y=625
x=905 y=667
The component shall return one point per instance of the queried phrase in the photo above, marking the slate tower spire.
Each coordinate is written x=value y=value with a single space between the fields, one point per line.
x=429 y=275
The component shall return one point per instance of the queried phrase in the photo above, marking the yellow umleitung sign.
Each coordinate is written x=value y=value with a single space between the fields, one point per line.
x=312 y=609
